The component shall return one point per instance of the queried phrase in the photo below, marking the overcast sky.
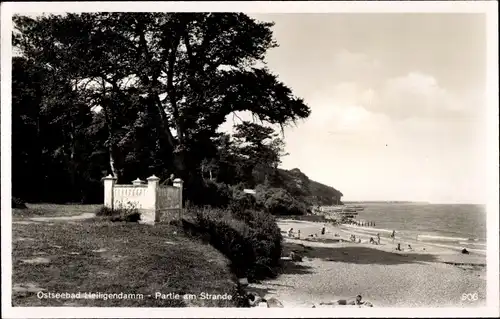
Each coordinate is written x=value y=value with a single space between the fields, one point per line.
x=397 y=102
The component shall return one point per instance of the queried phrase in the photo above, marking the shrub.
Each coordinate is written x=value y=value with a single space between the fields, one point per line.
x=227 y=235
x=105 y=211
x=18 y=203
x=251 y=240
x=122 y=213
x=202 y=193
x=241 y=202
x=278 y=201
x=267 y=242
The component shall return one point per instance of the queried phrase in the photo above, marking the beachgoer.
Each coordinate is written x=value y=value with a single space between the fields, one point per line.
x=357 y=301
x=378 y=238
x=372 y=241
x=409 y=247
x=399 y=247
x=393 y=235
x=359 y=240
x=254 y=300
x=323 y=230
x=298 y=234
x=343 y=302
x=274 y=303
x=290 y=232
x=465 y=251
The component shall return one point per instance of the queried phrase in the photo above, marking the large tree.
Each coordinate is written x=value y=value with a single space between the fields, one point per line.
x=163 y=82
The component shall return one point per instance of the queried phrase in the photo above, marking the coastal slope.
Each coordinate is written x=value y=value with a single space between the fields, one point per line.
x=301 y=186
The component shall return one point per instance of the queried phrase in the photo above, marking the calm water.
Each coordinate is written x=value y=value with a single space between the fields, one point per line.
x=457 y=222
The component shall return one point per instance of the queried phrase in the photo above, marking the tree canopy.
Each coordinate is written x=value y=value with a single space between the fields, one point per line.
x=136 y=94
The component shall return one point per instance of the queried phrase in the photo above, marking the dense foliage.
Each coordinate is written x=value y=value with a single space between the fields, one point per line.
x=136 y=94
x=250 y=239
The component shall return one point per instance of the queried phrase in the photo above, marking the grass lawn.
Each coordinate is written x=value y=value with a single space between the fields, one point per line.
x=102 y=257
x=50 y=210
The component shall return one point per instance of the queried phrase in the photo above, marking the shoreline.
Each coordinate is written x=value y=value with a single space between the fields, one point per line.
x=476 y=256
x=439 y=240
x=367 y=232
x=329 y=271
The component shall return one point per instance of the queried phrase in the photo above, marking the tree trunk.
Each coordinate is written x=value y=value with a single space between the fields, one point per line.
x=114 y=171
x=152 y=85
x=109 y=123
x=72 y=163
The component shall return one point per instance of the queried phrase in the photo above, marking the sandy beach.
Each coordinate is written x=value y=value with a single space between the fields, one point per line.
x=332 y=269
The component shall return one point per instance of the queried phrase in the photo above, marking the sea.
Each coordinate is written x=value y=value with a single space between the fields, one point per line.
x=460 y=225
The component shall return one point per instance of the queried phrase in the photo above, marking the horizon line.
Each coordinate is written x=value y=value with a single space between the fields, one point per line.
x=414 y=202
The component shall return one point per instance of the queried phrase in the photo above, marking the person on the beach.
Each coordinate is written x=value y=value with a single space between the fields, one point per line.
x=323 y=230
x=290 y=232
x=298 y=234
x=393 y=235
x=372 y=241
x=399 y=247
x=409 y=247
x=343 y=302
x=256 y=301
x=378 y=238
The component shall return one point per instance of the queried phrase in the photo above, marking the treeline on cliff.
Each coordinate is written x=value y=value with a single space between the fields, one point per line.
x=137 y=94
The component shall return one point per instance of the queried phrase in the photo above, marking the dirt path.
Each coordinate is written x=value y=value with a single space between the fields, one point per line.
x=63 y=218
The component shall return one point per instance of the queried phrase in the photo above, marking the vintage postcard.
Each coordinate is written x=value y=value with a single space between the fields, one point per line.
x=215 y=159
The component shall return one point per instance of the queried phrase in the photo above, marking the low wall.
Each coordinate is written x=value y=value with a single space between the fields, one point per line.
x=130 y=195
x=155 y=202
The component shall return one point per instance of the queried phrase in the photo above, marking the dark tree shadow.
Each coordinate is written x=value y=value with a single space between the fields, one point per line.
x=358 y=255
x=294 y=268
x=259 y=291
x=279 y=285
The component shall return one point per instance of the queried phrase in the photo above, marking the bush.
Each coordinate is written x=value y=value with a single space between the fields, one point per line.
x=18 y=203
x=105 y=211
x=251 y=240
x=267 y=242
x=122 y=213
x=242 y=202
x=208 y=193
x=278 y=201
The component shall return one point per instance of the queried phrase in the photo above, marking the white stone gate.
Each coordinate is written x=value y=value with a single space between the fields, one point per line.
x=155 y=202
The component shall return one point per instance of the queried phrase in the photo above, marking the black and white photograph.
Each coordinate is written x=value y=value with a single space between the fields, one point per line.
x=291 y=155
